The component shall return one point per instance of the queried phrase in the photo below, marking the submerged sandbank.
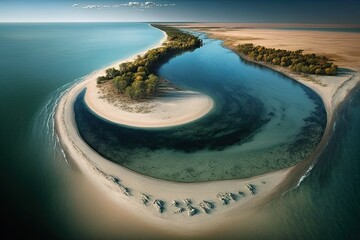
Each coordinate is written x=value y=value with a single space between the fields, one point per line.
x=126 y=187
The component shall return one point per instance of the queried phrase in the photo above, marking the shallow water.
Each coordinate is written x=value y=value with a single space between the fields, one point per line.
x=43 y=197
x=262 y=121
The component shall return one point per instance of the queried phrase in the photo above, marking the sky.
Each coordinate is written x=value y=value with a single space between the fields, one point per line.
x=244 y=11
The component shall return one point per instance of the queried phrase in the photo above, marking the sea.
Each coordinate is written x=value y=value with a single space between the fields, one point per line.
x=44 y=195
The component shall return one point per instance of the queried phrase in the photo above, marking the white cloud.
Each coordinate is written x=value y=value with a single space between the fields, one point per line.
x=136 y=5
x=149 y=4
x=90 y=6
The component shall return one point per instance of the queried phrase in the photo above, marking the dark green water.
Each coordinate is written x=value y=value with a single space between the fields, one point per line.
x=262 y=121
x=37 y=59
x=326 y=204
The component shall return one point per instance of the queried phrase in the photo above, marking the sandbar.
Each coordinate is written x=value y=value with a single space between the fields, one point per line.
x=112 y=178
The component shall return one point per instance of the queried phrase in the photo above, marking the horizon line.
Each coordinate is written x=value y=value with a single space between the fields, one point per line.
x=351 y=25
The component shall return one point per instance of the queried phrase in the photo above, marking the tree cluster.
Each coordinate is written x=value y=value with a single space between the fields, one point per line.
x=138 y=79
x=296 y=61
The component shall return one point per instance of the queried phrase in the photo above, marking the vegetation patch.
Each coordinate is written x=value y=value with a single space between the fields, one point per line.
x=296 y=61
x=138 y=79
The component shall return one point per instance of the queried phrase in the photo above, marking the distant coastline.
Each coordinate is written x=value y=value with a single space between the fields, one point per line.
x=333 y=90
x=111 y=177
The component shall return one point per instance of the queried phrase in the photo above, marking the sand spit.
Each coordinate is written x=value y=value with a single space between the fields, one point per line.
x=189 y=208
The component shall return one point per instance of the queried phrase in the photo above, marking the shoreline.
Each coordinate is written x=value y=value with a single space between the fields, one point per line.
x=103 y=172
x=168 y=109
x=172 y=107
x=331 y=96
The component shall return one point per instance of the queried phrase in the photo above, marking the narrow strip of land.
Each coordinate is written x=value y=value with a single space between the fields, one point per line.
x=131 y=94
x=168 y=204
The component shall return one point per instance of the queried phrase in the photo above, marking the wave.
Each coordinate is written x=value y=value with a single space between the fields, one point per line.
x=43 y=131
x=301 y=179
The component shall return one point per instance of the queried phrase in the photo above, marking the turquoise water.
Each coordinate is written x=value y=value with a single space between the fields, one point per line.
x=38 y=59
x=262 y=121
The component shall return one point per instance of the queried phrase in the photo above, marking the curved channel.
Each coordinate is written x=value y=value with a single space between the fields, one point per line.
x=262 y=121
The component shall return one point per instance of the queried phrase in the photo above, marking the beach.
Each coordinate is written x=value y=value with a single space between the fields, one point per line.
x=171 y=108
x=112 y=178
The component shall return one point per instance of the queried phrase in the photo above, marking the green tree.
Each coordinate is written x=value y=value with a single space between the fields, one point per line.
x=318 y=71
x=129 y=91
x=139 y=89
x=121 y=82
x=123 y=67
x=130 y=78
x=152 y=84
x=111 y=73
x=138 y=78
x=298 y=67
x=101 y=80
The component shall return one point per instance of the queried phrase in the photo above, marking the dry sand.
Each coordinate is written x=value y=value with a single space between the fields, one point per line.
x=342 y=47
x=171 y=108
x=99 y=170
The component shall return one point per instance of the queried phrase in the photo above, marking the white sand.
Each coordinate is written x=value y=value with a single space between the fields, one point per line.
x=170 y=109
x=96 y=168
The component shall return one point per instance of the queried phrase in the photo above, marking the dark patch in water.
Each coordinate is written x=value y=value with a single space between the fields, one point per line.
x=214 y=132
x=198 y=151
x=313 y=129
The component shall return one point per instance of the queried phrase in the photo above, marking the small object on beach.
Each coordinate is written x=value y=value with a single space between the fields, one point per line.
x=144 y=198
x=124 y=189
x=178 y=210
x=117 y=182
x=208 y=204
x=112 y=178
x=159 y=205
x=231 y=196
x=222 y=199
x=192 y=210
x=250 y=188
x=187 y=201
x=174 y=203
x=204 y=207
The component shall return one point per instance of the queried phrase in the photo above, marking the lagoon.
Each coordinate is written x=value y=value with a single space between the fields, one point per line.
x=262 y=121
